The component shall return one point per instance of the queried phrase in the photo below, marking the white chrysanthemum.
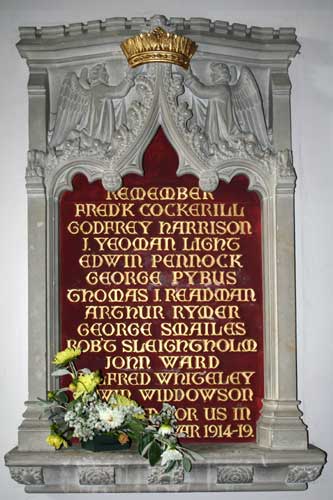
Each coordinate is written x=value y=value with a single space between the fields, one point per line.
x=165 y=429
x=170 y=455
x=111 y=416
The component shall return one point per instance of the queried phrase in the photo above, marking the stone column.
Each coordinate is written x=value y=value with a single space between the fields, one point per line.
x=281 y=87
x=33 y=430
x=280 y=425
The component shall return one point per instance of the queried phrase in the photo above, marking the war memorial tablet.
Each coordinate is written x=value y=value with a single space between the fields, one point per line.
x=161 y=288
x=160 y=195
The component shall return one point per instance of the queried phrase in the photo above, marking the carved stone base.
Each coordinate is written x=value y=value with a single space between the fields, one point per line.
x=222 y=468
x=34 y=430
x=280 y=426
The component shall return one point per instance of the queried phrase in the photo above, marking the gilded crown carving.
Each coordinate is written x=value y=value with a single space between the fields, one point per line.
x=159 y=46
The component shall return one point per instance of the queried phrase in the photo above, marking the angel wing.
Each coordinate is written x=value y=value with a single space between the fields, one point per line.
x=199 y=110
x=73 y=107
x=198 y=107
x=247 y=105
x=119 y=112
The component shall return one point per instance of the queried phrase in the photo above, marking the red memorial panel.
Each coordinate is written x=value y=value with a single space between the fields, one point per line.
x=161 y=288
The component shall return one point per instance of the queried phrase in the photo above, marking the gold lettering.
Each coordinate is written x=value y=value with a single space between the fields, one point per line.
x=124 y=278
x=181 y=261
x=157 y=193
x=190 y=362
x=117 y=312
x=114 y=379
x=188 y=414
x=111 y=227
x=205 y=312
x=95 y=345
x=105 y=394
x=139 y=244
x=203 y=394
x=189 y=345
x=164 y=301
x=116 y=329
x=209 y=295
x=187 y=210
x=128 y=362
x=191 y=431
x=215 y=413
x=207 y=278
x=127 y=261
x=112 y=295
x=104 y=210
x=241 y=413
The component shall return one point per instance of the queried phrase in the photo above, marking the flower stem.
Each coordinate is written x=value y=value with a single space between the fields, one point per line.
x=73 y=368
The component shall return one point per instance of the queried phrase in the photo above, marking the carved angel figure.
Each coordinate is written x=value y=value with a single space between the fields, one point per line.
x=234 y=111
x=85 y=107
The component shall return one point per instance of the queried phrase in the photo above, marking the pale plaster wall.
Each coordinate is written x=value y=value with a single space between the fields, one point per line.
x=312 y=108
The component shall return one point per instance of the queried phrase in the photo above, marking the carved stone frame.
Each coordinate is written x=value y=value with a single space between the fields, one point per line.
x=281 y=435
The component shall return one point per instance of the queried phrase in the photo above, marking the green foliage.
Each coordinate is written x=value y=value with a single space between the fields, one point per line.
x=187 y=464
x=60 y=372
x=154 y=453
x=78 y=411
x=145 y=440
x=170 y=465
x=135 y=428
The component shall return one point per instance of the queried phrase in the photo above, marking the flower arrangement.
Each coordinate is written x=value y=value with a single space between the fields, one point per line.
x=77 y=411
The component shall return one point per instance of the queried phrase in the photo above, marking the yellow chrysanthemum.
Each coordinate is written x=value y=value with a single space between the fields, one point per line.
x=72 y=387
x=140 y=416
x=124 y=401
x=56 y=441
x=64 y=357
x=87 y=383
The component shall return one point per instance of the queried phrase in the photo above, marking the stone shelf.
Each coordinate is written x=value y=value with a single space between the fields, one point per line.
x=244 y=467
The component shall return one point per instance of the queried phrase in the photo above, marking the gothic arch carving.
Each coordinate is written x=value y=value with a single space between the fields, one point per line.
x=155 y=102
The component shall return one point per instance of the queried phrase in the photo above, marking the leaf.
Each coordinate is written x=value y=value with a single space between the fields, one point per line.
x=192 y=454
x=71 y=404
x=62 y=396
x=58 y=419
x=146 y=449
x=140 y=444
x=85 y=370
x=170 y=465
x=62 y=427
x=60 y=372
x=64 y=389
x=154 y=453
x=187 y=464
x=146 y=439
x=45 y=405
x=43 y=401
x=135 y=427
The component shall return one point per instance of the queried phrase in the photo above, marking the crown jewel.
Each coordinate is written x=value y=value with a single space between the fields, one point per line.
x=159 y=46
